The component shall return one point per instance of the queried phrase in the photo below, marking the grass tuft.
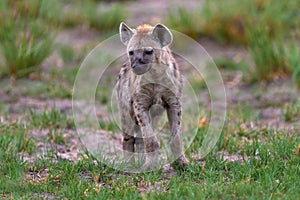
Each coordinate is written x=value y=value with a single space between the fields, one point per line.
x=92 y=14
x=291 y=112
x=25 y=41
x=268 y=54
x=13 y=139
x=264 y=27
x=50 y=119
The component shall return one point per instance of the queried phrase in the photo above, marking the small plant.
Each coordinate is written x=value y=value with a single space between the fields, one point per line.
x=291 y=112
x=56 y=136
x=196 y=81
x=50 y=119
x=25 y=41
x=91 y=14
x=67 y=53
x=72 y=15
x=230 y=64
x=293 y=60
x=13 y=139
x=226 y=21
x=273 y=56
x=184 y=21
x=268 y=54
x=104 y=19
x=109 y=125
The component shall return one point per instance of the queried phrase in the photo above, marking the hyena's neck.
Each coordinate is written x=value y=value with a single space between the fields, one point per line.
x=165 y=57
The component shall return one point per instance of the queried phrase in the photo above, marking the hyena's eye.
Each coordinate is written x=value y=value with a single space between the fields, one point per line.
x=148 y=50
x=131 y=53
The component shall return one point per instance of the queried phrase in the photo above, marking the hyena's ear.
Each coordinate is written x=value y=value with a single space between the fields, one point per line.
x=125 y=33
x=162 y=34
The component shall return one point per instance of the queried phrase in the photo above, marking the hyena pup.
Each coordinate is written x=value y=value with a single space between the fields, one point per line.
x=149 y=83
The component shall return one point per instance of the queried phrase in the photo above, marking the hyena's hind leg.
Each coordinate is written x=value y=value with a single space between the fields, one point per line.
x=139 y=146
x=174 y=118
x=128 y=138
x=128 y=146
x=139 y=141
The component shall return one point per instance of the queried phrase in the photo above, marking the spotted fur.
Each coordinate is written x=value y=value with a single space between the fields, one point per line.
x=144 y=94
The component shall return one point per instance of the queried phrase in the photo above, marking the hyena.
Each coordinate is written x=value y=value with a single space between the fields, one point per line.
x=149 y=83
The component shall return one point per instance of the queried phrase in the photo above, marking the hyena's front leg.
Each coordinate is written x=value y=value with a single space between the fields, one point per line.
x=149 y=139
x=174 y=118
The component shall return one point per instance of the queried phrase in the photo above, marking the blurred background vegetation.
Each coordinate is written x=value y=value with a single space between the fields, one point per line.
x=267 y=29
x=28 y=29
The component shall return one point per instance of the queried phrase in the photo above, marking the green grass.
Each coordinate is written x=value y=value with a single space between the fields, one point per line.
x=291 y=111
x=271 y=171
x=273 y=56
x=183 y=20
x=57 y=83
x=56 y=136
x=91 y=14
x=230 y=64
x=105 y=19
x=50 y=119
x=267 y=30
x=292 y=52
x=14 y=141
x=25 y=41
x=109 y=125
x=268 y=54
x=36 y=88
x=269 y=168
x=267 y=164
x=67 y=53
x=227 y=21
x=27 y=30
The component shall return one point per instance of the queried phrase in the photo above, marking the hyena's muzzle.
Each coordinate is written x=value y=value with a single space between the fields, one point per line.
x=141 y=60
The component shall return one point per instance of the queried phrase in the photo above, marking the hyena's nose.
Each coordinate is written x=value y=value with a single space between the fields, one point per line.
x=138 y=62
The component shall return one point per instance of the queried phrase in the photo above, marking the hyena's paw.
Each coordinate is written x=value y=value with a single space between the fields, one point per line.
x=181 y=162
x=152 y=162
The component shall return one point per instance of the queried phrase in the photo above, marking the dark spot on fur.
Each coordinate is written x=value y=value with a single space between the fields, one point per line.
x=126 y=137
x=175 y=70
x=141 y=123
x=178 y=122
x=179 y=113
x=174 y=65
